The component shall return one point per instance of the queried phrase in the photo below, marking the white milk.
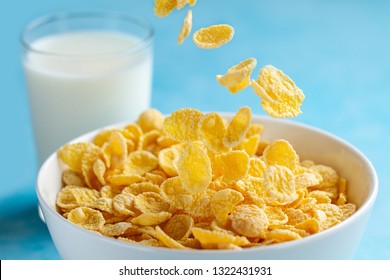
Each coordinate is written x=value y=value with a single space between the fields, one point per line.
x=92 y=83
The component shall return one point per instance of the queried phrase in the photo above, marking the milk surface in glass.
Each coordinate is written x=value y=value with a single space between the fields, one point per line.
x=80 y=81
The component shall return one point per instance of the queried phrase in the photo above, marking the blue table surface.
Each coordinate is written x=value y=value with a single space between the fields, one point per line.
x=338 y=52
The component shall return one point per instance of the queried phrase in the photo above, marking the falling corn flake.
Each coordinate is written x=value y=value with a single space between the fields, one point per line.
x=195 y=181
x=237 y=77
x=162 y=8
x=213 y=36
x=186 y=28
x=280 y=97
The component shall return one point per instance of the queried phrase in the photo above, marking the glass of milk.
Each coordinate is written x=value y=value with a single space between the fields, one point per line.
x=85 y=70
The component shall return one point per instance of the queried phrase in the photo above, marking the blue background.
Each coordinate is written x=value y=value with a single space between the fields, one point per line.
x=338 y=52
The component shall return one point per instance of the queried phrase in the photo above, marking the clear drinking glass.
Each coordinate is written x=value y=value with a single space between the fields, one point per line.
x=85 y=70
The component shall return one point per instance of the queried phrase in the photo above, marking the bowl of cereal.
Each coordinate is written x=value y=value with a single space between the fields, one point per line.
x=207 y=186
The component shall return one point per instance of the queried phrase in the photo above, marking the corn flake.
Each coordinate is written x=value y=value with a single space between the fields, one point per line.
x=124 y=204
x=168 y=158
x=234 y=164
x=194 y=168
x=167 y=240
x=238 y=127
x=151 y=219
x=72 y=154
x=140 y=162
x=150 y=202
x=217 y=237
x=237 y=77
x=182 y=125
x=281 y=98
x=186 y=28
x=71 y=197
x=87 y=218
x=162 y=8
x=179 y=226
x=280 y=152
x=212 y=130
x=249 y=220
x=279 y=185
x=223 y=202
x=213 y=36
x=150 y=119
x=283 y=235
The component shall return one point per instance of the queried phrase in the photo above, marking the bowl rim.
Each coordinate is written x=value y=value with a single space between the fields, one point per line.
x=366 y=206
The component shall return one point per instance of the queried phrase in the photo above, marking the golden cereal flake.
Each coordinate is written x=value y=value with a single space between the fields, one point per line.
x=279 y=185
x=282 y=235
x=99 y=169
x=194 y=168
x=281 y=98
x=162 y=8
x=120 y=180
x=71 y=197
x=181 y=3
x=87 y=218
x=104 y=204
x=150 y=119
x=213 y=36
x=72 y=154
x=124 y=204
x=72 y=178
x=142 y=187
x=140 y=162
x=238 y=127
x=167 y=240
x=182 y=125
x=168 y=158
x=212 y=130
x=328 y=174
x=198 y=205
x=234 y=164
x=185 y=30
x=116 y=229
x=223 y=202
x=257 y=167
x=87 y=163
x=151 y=219
x=237 y=77
x=217 y=237
x=179 y=226
x=150 y=202
x=249 y=220
x=347 y=210
x=310 y=225
x=280 y=152
x=275 y=216
x=249 y=145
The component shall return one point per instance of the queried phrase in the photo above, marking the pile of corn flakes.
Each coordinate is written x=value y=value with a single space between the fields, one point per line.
x=197 y=181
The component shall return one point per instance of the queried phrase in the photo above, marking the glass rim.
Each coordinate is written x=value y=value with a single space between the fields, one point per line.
x=144 y=42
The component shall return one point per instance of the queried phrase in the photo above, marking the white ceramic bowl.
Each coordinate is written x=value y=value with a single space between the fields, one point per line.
x=338 y=242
